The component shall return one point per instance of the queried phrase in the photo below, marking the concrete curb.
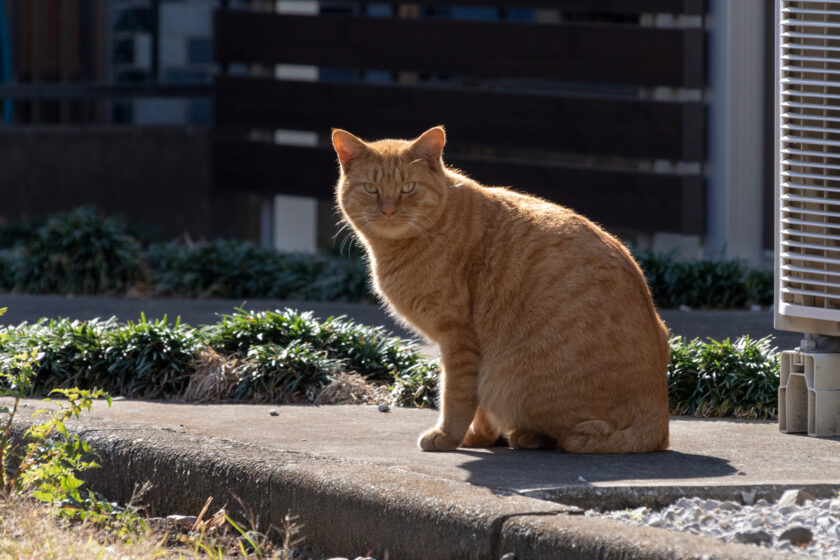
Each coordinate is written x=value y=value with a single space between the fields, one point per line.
x=349 y=507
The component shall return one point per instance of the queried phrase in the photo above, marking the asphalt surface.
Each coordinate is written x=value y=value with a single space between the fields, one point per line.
x=30 y=308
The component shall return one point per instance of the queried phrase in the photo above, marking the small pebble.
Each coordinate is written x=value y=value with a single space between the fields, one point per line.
x=797 y=534
x=508 y=556
x=383 y=408
x=795 y=498
x=187 y=521
x=274 y=412
x=805 y=526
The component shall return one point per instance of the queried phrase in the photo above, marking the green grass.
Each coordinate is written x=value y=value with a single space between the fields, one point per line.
x=279 y=356
x=724 y=378
x=370 y=351
x=149 y=360
x=287 y=356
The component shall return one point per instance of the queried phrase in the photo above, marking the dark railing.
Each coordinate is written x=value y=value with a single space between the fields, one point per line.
x=569 y=107
x=56 y=68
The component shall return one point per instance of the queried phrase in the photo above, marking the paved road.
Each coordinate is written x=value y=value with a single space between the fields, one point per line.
x=690 y=324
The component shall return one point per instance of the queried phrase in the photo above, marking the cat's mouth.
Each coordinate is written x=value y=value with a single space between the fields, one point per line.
x=393 y=226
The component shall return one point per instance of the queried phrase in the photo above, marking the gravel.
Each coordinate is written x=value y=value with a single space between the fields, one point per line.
x=796 y=523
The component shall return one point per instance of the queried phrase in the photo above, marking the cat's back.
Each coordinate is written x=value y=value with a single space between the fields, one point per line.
x=544 y=264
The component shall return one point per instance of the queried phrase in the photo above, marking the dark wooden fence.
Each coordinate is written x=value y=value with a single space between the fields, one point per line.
x=563 y=109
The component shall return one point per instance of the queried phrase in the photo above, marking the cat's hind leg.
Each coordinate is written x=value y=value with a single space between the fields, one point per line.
x=529 y=439
x=481 y=433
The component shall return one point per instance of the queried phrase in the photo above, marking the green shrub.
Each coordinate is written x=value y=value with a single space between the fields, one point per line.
x=69 y=351
x=288 y=356
x=239 y=269
x=371 y=352
x=143 y=360
x=282 y=354
x=17 y=231
x=149 y=360
x=704 y=283
x=81 y=252
x=78 y=252
x=291 y=373
x=417 y=386
x=725 y=378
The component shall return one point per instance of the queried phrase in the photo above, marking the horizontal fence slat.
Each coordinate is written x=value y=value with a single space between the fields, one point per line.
x=578 y=52
x=544 y=121
x=82 y=90
x=616 y=198
x=686 y=7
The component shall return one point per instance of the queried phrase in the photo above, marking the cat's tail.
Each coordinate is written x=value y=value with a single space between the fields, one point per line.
x=599 y=436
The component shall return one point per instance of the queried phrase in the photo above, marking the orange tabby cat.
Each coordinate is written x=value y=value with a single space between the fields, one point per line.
x=546 y=327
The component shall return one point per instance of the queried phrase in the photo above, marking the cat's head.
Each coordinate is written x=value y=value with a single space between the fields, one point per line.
x=391 y=189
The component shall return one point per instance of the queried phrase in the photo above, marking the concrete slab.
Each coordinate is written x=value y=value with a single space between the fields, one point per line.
x=716 y=458
x=328 y=463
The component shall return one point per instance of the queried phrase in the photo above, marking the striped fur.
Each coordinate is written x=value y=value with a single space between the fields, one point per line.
x=547 y=330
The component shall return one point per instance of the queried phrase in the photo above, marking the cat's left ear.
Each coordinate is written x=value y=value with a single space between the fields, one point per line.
x=430 y=145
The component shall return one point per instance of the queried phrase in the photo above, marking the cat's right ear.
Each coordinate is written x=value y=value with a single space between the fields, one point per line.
x=347 y=146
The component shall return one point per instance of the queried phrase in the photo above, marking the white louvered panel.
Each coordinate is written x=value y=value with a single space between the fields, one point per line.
x=805 y=282
x=809 y=182
x=807 y=270
x=799 y=232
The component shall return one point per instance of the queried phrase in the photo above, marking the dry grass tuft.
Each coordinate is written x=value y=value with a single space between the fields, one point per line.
x=217 y=376
x=352 y=388
x=26 y=533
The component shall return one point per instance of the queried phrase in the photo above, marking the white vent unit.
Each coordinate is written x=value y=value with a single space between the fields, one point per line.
x=808 y=190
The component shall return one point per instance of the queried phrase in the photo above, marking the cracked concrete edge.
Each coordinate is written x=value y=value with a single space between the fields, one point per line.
x=348 y=508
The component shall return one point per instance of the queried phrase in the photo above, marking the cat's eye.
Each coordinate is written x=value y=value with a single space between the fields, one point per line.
x=371 y=188
x=408 y=187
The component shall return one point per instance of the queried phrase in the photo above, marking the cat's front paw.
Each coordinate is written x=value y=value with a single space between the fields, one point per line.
x=437 y=440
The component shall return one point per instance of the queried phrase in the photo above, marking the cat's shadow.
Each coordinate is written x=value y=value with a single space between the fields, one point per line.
x=502 y=467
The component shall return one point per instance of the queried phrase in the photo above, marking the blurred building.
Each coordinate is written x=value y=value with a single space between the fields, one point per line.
x=131 y=84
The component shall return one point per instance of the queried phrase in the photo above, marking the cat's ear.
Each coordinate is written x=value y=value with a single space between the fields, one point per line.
x=347 y=146
x=430 y=145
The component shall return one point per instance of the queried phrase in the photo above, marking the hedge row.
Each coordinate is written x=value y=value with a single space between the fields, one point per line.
x=286 y=356
x=80 y=252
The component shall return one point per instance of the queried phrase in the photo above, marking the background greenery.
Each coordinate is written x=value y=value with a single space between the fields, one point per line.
x=82 y=252
x=286 y=356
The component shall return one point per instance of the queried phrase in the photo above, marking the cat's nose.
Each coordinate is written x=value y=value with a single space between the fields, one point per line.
x=389 y=210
